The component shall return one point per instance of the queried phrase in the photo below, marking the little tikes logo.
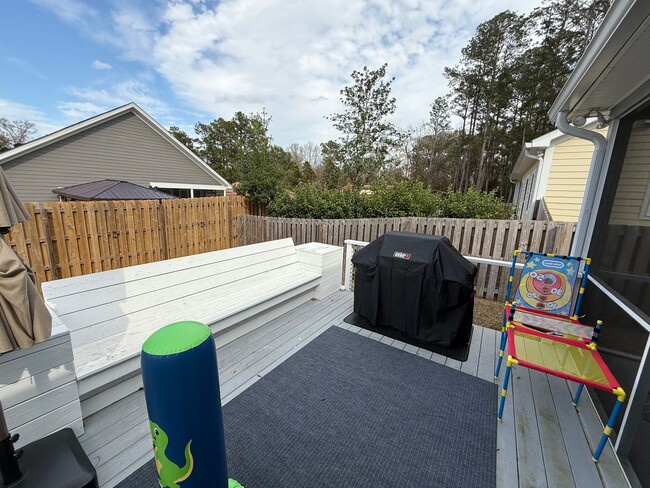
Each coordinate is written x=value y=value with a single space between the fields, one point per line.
x=402 y=255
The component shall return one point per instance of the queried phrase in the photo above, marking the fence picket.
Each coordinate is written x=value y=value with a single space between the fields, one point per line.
x=70 y=238
x=474 y=237
x=65 y=239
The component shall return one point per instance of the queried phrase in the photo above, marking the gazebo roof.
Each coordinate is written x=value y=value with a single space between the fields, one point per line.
x=110 y=190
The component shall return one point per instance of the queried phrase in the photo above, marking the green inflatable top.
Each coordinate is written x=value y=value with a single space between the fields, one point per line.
x=234 y=484
x=176 y=338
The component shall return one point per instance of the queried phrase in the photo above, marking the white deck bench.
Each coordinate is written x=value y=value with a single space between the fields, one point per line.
x=38 y=388
x=111 y=313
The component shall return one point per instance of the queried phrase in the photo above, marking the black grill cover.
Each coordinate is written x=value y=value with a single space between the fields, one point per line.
x=418 y=284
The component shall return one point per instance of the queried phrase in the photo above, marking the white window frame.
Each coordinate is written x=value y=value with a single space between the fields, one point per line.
x=188 y=186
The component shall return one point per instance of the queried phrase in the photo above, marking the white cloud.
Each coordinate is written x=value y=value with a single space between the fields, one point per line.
x=20 y=111
x=294 y=57
x=90 y=101
x=100 y=65
x=80 y=110
x=291 y=57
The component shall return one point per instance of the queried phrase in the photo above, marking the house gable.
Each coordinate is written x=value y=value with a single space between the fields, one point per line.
x=127 y=146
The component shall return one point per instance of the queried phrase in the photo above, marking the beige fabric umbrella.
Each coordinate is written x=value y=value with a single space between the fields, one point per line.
x=23 y=316
x=12 y=210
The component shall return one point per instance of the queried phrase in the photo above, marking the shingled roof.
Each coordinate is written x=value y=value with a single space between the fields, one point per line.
x=110 y=190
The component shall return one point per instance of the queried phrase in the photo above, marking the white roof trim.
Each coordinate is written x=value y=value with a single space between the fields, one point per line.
x=619 y=26
x=99 y=119
x=185 y=186
x=524 y=164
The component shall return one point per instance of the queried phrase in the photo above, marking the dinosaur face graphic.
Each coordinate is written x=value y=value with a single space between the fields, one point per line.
x=159 y=437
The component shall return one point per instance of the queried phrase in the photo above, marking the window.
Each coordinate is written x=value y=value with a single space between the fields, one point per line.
x=186 y=190
x=177 y=192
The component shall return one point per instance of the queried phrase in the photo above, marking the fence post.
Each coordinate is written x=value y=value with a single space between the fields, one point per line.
x=162 y=222
x=232 y=241
x=49 y=246
x=348 y=266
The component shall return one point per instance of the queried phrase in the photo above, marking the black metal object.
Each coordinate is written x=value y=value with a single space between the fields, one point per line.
x=55 y=461
x=418 y=284
x=9 y=468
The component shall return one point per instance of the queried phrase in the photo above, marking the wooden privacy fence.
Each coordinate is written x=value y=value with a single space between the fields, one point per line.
x=495 y=239
x=65 y=239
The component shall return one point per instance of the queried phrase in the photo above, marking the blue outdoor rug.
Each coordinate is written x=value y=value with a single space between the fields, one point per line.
x=348 y=411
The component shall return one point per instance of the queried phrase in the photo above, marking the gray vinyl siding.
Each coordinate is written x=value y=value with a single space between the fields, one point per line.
x=123 y=148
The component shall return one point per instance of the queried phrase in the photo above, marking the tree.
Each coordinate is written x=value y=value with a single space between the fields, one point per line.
x=509 y=75
x=15 y=132
x=367 y=137
x=308 y=175
x=439 y=120
x=309 y=151
x=241 y=150
x=482 y=85
x=332 y=159
x=185 y=139
x=261 y=176
x=228 y=145
x=427 y=150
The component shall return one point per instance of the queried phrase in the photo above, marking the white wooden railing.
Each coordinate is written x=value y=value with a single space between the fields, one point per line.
x=349 y=252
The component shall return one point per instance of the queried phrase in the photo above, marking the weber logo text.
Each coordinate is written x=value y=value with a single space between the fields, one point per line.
x=402 y=255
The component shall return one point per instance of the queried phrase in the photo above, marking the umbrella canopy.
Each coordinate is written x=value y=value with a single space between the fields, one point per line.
x=24 y=319
x=12 y=211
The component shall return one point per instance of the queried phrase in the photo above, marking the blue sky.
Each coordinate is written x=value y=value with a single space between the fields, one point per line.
x=62 y=61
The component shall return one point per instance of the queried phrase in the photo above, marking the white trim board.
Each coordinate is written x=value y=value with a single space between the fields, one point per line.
x=186 y=186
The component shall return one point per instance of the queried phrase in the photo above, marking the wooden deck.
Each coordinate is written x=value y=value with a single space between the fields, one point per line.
x=543 y=440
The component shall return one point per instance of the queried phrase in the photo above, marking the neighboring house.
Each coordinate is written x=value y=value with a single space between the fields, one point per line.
x=550 y=175
x=613 y=78
x=122 y=144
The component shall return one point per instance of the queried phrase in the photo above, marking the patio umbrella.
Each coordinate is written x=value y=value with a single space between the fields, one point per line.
x=24 y=320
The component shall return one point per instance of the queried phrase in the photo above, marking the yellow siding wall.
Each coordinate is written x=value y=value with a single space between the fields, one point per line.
x=634 y=179
x=568 y=177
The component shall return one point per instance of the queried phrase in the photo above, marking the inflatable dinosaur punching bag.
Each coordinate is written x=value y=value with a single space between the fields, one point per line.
x=181 y=388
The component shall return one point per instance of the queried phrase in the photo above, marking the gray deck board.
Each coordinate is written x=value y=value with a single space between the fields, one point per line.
x=507 y=435
x=608 y=466
x=556 y=461
x=487 y=355
x=530 y=459
x=423 y=353
x=471 y=365
x=542 y=440
x=582 y=466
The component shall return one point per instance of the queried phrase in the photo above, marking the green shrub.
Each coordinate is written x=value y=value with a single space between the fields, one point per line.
x=474 y=204
x=391 y=198
x=387 y=198
x=310 y=202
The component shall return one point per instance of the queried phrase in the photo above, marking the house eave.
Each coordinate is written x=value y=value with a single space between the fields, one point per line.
x=626 y=22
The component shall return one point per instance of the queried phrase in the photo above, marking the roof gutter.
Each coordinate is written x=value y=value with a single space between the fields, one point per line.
x=589 y=199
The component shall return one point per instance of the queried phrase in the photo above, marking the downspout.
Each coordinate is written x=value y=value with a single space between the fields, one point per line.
x=589 y=204
x=540 y=164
